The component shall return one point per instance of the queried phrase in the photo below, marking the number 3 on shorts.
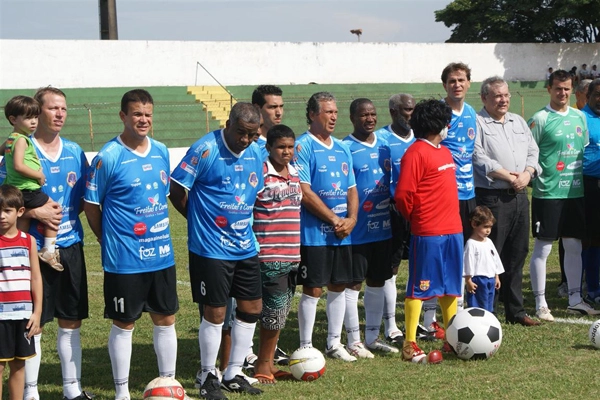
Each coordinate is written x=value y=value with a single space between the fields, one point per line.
x=303 y=271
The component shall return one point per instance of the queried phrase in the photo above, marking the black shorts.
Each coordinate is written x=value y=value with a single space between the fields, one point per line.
x=14 y=343
x=214 y=281
x=591 y=188
x=322 y=265
x=466 y=207
x=400 y=236
x=372 y=261
x=66 y=292
x=34 y=198
x=555 y=218
x=127 y=296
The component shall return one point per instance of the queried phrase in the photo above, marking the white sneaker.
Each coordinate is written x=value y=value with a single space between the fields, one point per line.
x=582 y=308
x=358 y=350
x=379 y=345
x=544 y=314
x=339 y=352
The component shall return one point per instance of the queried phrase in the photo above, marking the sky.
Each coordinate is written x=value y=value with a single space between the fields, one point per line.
x=225 y=20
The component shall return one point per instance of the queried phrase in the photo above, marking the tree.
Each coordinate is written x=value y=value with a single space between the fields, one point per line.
x=521 y=21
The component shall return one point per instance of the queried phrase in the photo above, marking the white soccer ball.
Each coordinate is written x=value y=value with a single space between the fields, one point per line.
x=594 y=334
x=474 y=334
x=164 y=387
x=307 y=364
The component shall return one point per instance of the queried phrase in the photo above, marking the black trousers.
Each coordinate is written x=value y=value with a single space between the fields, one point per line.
x=510 y=235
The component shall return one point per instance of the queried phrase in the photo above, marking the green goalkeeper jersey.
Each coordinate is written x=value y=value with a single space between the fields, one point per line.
x=561 y=137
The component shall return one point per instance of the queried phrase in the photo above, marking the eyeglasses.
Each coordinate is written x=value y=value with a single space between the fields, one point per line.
x=502 y=96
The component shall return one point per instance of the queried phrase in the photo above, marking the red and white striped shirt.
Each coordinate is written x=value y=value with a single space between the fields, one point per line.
x=15 y=277
x=277 y=216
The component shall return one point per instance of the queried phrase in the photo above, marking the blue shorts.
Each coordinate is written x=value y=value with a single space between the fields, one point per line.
x=484 y=294
x=435 y=266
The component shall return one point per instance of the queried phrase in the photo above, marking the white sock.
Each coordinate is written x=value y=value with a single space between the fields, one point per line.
x=307 y=314
x=50 y=245
x=351 y=316
x=32 y=370
x=209 y=339
x=165 y=347
x=573 y=269
x=537 y=269
x=119 y=349
x=336 y=309
x=68 y=345
x=241 y=335
x=429 y=309
x=460 y=302
x=390 y=295
x=374 y=299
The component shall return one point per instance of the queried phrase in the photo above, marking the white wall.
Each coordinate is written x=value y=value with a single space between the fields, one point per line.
x=96 y=63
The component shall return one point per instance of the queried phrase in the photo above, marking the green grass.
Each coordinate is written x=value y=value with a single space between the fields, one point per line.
x=552 y=361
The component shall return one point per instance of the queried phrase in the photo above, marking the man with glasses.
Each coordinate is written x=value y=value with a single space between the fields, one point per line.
x=505 y=160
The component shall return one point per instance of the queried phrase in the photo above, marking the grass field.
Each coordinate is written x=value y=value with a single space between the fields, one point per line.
x=553 y=361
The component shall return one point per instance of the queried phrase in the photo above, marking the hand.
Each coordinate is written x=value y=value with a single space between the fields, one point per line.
x=521 y=180
x=33 y=326
x=471 y=286
x=50 y=214
x=42 y=179
x=498 y=284
x=343 y=228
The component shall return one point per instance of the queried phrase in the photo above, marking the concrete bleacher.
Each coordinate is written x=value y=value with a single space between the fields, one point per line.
x=179 y=120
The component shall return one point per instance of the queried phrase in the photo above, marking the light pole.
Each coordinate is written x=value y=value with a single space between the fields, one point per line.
x=356 y=32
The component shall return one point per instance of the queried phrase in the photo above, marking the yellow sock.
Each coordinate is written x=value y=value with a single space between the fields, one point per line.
x=448 y=304
x=412 y=313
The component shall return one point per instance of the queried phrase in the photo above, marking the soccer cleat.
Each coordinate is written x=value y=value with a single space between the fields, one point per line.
x=358 y=350
x=52 y=259
x=411 y=352
x=438 y=332
x=562 y=290
x=211 y=388
x=424 y=334
x=379 y=345
x=396 y=338
x=544 y=314
x=239 y=385
x=592 y=300
x=249 y=362
x=280 y=357
x=339 y=352
x=447 y=349
x=82 y=396
x=582 y=308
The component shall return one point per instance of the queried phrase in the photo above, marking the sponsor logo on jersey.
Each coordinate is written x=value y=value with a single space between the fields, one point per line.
x=471 y=133
x=322 y=168
x=466 y=168
x=164 y=178
x=424 y=285
x=99 y=164
x=560 y=166
x=364 y=168
x=383 y=205
x=345 y=168
x=469 y=185
x=194 y=160
x=54 y=170
x=136 y=182
x=221 y=221
x=340 y=208
x=336 y=185
x=326 y=228
x=367 y=206
x=298 y=148
x=238 y=168
x=226 y=242
x=253 y=179
x=164 y=250
x=241 y=224
x=154 y=207
x=564 y=184
x=160 y=225
x=72 y=178
x=387 y=224
x=374 y=155
x=331 y=158
x=579 y=131
x=241 y=199
x=205 y=153
x=575 y=164
x=245 y=244
x=372 y=225
x=147 y=167
x=147 y=253
x=89 y=185
x=576 y=182
x=187 y=168
x=140 y=228
x=63 y=228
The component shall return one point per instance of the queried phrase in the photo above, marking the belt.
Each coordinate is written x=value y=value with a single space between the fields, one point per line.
x=505 y=192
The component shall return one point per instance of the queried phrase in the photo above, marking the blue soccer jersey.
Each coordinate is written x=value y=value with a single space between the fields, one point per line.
x=591 y=154
x=262 y=143
x=222 y=189
x=132 y=189
x=461 y=142
x=328 y=171
x=372 y=169
x=398 y=147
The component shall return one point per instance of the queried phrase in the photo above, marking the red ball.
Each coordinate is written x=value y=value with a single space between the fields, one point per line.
x=435 y=357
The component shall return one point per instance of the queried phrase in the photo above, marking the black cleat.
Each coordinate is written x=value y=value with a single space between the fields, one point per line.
x=239 y=385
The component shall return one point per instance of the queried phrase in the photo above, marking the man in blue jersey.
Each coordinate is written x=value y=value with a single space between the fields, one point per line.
x=372 y=235
x=399 y=136
x=329 y=208
x=215 y=187
x=270 y=103
x=591 y=188
x=127 y=209
x=65 y=293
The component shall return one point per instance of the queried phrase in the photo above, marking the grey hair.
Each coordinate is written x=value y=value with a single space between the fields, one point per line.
x=399 y=99
x=314 y=103
x=592 y=86
x=582 y=87
x=245 y=112
x=489 y=82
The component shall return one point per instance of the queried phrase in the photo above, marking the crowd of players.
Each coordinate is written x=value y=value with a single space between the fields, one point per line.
x=267 y=211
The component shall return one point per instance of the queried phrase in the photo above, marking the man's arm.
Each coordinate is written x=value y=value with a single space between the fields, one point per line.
x=179 y=198
x=50 y=214
x=94 y=217
x=315 y=205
